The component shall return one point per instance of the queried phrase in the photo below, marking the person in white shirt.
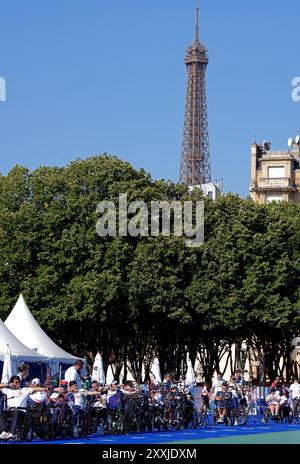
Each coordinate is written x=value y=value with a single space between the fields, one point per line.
x=97 y=409
x=22 y=373
x=99 y=401
x=216 y=386
x=16 y=398
x=273 y=401
x=295 y=396
x=73 y=373
x=37 y=397
x=77 y=400
x=232 y=387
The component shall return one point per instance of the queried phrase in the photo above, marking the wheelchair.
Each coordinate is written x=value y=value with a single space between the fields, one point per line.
x=37 y=422
x=67 y=421
x=8 y=416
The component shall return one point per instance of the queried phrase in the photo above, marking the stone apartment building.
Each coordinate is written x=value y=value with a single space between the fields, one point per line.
x=275 y=175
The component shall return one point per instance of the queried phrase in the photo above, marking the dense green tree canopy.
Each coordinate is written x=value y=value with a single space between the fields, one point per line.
x=133 y=297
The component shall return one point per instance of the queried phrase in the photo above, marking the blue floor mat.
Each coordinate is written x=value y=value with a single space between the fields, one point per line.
x=218 y=431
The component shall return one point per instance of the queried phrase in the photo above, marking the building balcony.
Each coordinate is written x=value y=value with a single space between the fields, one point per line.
x=278 y=182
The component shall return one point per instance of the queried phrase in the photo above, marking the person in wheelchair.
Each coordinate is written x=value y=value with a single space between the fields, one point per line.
x=38 y=397
x=17 y=400
x=76 y=398
x=284 y=407
x=56 y=408
x=273 y=403
x=77 y=401
x=97 y=406
x=115 y=402
x=37 y=418
x=173 y=399
x=217 y=408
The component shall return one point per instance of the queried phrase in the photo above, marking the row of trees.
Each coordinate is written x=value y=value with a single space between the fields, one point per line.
x=139 y=297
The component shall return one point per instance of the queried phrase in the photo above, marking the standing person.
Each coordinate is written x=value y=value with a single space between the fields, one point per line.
x=216 y=386
x=295 y=396
x=114 y=403
x=73 y=373
x=22 y=373
x=239 y=377
x=232 y=387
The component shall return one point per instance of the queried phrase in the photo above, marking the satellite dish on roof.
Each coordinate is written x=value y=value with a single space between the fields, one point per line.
x=297 y=139
x=290 y=142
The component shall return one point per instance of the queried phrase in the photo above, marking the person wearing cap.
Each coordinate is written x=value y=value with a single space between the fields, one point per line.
x=56 y=402
x=73 y=373
x=38 y=396
x=216 y=387
x=63 y=384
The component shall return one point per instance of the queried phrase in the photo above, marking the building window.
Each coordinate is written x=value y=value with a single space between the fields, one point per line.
x=276 y=172
x=274 y=197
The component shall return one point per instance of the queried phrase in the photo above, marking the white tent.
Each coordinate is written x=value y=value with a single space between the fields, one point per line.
x=98 y=370
x=190 y=375
x=24 y=326
x=7 y=366
x=155 y=369
x=110 y=374
x=19 y=352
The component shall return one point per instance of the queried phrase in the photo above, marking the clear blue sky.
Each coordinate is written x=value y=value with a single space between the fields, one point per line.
x=94 y=76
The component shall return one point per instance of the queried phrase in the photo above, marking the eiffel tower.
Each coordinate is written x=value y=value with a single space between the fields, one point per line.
x=195 y=158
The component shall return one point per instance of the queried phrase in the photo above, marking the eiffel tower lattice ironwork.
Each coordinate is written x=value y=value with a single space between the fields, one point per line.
x=195 y=158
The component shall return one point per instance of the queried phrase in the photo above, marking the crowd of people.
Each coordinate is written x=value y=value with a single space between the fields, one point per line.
x=237 y=396
x=79 y=406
